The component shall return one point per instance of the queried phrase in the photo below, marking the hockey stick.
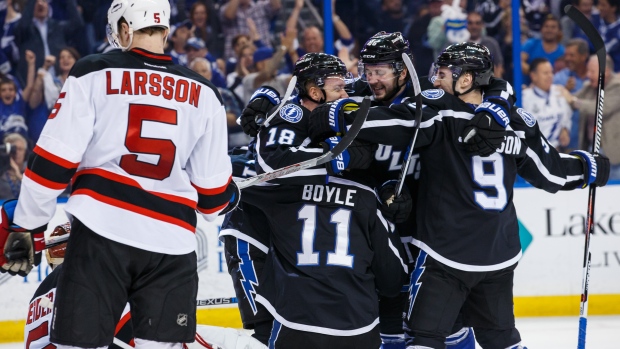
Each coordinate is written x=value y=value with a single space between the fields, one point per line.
x=330 y=155
x=216 y=301
x=57 y=240
x=601 y=53
x=418 y=118
x=260 y=119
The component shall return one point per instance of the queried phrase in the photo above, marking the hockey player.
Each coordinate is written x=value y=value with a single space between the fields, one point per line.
x=322 y=274
x=143 y=142
x=245 y=231
x=466 y=221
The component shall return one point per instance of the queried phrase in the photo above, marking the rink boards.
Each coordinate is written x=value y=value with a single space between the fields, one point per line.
x=547 y=280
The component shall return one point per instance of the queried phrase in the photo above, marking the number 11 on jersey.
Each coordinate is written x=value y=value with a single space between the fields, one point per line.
x=340 y=256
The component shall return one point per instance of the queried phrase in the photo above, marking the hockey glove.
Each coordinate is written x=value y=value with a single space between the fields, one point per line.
x=328 y=120
x=395 y=209
x=486 y=131
x=234 y=199
x=359 y=155
x=254 y=115
x=595 y=168
x=21 y=248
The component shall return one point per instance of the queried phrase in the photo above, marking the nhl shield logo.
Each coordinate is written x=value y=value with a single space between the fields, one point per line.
x=291 y=113
x=529 y=119
x=433 y=93
x=182 y=319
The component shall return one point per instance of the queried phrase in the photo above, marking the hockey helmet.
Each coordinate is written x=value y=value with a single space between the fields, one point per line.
x=316 y=67
x=384 y=48
x=56 y=255
x=139 y=14
x=465 y=57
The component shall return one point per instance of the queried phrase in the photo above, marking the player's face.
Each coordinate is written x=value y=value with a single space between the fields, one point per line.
x=543 y=76
x=443 y=80
x=334 y=88
x=7 y=93
x=381 y=78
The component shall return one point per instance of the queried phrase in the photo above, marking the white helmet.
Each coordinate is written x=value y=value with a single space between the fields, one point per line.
x=138 y=14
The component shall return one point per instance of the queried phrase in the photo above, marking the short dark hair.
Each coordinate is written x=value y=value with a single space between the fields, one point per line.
x=8 y=82
x=536 y=62
x=236 y=39
x=581 y=44
x=551 y=17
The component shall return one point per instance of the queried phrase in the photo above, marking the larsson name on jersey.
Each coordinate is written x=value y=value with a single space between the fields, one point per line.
x=142 y=83
x=36 y=311
x=325 y=193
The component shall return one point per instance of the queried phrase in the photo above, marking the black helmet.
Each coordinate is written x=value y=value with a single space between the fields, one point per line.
x=316 y=67
x=466 y=57
x=384 y=47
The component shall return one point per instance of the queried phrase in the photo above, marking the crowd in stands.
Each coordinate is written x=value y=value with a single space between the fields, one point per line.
x=242 y=44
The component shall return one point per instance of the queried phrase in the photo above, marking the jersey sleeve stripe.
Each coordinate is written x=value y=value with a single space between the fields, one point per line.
x=212 y=191
x=134 y=199
x=54 y=158
x=44 y=181
x=208 y=204
x=128 y=181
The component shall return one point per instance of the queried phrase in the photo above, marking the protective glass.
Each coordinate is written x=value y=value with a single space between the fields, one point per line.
x=374 y=72
x=336 y=83
x=435 y=74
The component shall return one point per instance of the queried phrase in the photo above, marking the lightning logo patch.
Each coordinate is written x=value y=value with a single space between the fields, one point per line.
x=248 y=274
x=414 y=285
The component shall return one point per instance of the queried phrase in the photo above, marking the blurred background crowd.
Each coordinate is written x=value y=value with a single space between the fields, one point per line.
x=242 y=44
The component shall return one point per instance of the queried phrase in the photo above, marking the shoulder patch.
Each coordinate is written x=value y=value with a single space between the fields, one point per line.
x=433 y=93
x=291 y=113
x=529 y=119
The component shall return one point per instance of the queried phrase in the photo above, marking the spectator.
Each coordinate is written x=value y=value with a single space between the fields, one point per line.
x=536 y=12
x=267 y=64
x=585 y=102
x=43 y=35
x=9 y=52
x=418 y=37
x=492 y=14
x=437 y=29
x=12 y=110
x=546 y=102
x=573 y=77
x=245 y=66
x=13 y=166
x=233 y=107
x=548 y=46
x=207 y=27
x=37 y=110
x=179 y=34
x=53 y=84
x=241 y=41
x=234 y=16
x=195 y=47
x=569 y=29
x=312 y=36
x=475 y=25
x=392 y=17
x=609 y=28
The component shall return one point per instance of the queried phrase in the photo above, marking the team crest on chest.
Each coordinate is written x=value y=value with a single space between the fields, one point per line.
x=433 y=93
x=291 y=113
x=529 y=119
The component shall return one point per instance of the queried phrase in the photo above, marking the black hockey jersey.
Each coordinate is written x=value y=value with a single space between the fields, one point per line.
x=331 y=251
x=464 y=212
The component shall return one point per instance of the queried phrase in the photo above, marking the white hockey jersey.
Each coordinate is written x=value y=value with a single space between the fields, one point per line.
x=144 y=144
x=551 y=110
